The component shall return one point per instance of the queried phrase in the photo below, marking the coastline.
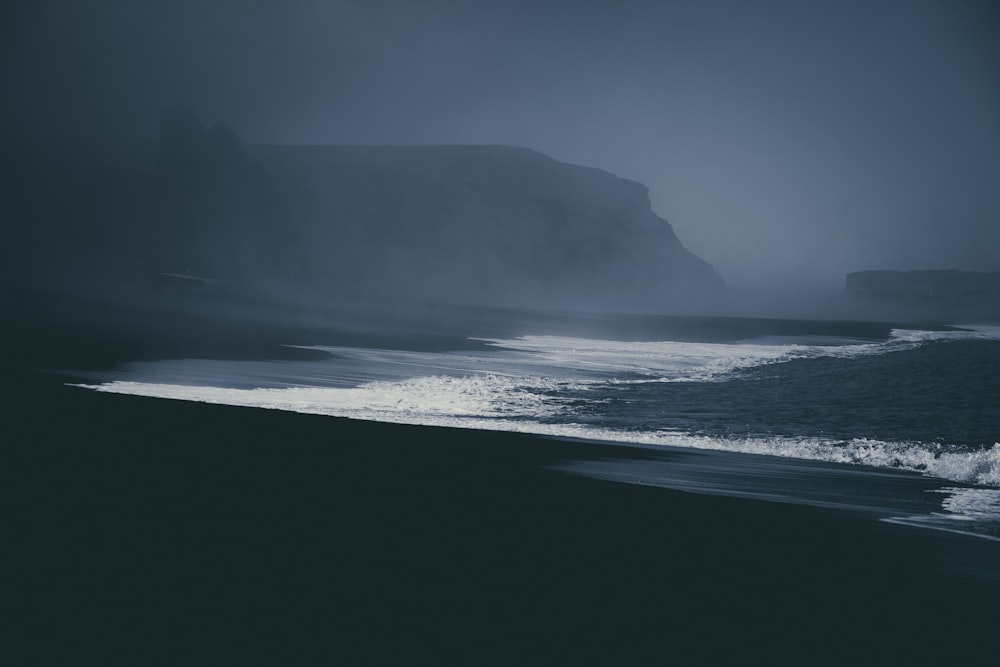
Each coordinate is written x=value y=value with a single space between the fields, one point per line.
x=148 y=531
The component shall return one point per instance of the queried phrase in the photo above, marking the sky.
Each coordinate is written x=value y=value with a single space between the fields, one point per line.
x=788 y=142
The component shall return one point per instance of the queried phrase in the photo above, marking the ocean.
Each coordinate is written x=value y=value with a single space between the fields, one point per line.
x=917 y=408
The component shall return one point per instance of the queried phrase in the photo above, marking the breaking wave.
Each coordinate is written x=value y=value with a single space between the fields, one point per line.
x=503 y=404
x=543 y=385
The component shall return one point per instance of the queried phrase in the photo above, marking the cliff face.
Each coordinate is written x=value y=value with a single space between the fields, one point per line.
x=936 y=293
x=477 y=224
x=484 y=225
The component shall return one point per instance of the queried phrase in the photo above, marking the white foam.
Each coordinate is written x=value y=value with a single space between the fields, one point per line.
x=970 y=504
x=971 y=332
x=966 y=510
x=524 y=384
x=667 y=361
x=417 y=400
x=576 y=360
x=683 y=361
x=508 y=404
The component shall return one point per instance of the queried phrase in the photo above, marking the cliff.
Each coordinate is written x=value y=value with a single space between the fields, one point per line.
x=481 y=225
x=933 y=293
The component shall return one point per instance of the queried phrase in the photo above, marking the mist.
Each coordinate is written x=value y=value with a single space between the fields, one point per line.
x=787 y=143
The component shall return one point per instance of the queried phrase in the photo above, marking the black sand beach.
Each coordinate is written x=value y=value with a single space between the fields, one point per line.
x=144 y=531
x=638 y=221
x=154 y=532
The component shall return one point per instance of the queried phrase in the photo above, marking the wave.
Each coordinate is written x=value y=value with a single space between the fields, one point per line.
x=963 y=332
x=578 y=360
x=966 y=511
x=540 y=384
x=506 y=404
x=682 y=361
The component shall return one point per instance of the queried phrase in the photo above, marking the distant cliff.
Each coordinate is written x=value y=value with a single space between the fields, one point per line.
x=474 y=223
x=934 y=293
x=488 y=225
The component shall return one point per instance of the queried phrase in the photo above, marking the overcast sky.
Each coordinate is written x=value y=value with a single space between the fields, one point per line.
x=788 y=142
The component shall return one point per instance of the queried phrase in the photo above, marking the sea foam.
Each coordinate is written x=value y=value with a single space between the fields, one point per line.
x=537 y=384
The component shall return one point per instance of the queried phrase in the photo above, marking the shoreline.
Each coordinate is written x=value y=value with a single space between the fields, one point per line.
x=154 y=531
x=149 y=531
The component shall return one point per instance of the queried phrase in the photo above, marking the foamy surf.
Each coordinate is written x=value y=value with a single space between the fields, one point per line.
x=546 y=385
x=504 y=404
x=966 y=511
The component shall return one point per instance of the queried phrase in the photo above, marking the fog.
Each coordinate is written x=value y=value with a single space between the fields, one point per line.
x=787 y=143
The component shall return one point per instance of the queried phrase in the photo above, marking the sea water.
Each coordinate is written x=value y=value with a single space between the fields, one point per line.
x=910 y=399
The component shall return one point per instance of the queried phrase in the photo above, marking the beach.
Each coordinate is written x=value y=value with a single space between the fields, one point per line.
x=150 y=531
x=340 y=334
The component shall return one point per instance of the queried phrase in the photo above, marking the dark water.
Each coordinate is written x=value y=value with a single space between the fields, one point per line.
x=944 y=393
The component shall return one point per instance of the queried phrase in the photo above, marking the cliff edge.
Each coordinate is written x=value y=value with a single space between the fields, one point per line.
x=477 y=224
x=470 y=225
x=941 y=294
